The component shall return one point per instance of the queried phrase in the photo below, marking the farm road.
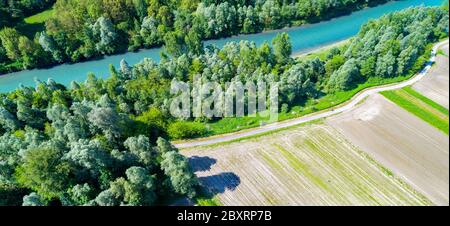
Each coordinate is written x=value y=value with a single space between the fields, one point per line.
x=319 y=115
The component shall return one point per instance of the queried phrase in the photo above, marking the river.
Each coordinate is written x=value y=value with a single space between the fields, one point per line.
x=303 y=38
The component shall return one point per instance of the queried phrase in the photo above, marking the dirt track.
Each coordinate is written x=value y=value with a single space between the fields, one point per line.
x=324 y=114
x=436 y=84
x=331 y=164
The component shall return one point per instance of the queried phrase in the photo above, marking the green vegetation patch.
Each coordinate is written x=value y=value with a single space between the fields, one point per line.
x=39 y=17
x=420 y=106
x=328 y=101
x=33 y=24
x=208 y=202
x=253 y=137
x=228 y=125
x=204 y=198
x=299 y=166
x=441 y=52
x=433 y=104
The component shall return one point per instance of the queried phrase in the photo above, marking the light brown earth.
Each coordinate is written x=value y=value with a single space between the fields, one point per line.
x=306 y=165
x=402 y=142
x=436 y=84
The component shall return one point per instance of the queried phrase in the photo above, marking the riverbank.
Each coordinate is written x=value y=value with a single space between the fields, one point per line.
x=322 y=48
x=35 y=23
x=303 y=38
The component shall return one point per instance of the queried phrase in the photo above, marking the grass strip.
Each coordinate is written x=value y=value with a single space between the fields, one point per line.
x=40 y=17
x=419 y=110
x=426 y=100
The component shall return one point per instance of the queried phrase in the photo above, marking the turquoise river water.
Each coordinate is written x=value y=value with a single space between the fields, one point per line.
x=303 y=38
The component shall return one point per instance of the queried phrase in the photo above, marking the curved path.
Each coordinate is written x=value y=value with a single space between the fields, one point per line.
x=323 y=114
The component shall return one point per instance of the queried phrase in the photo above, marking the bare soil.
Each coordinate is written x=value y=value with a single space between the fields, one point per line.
x=436 y=84
x=403 y=143
x=307 y=165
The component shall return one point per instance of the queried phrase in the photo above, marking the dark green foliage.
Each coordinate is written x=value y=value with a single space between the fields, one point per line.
x=345 y=77
x=80 y=30
x=84 y=152
x=43 y=171
x=11 y=195
x=183 y=129
x=31 y=55
x=100 y=142
x=282 y=48
x=390 y=46
x=14 y=10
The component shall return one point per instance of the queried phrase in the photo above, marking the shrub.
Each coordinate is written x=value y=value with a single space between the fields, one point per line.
x=185 y=129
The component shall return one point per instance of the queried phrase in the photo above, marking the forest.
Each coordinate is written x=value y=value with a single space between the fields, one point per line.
x=106 y=141
x=84 y=29
x=11 y=11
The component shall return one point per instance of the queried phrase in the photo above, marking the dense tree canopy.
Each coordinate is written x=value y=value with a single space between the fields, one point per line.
x=10 y=10
x=104 y=141
x=82 y=153
x=82 y=29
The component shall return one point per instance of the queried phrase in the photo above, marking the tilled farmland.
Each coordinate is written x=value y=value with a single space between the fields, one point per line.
x=307 y=165
x=402 y=142
x=436 y=84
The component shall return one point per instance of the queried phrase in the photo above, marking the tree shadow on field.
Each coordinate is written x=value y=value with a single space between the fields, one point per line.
x=199 y=164
x=217 y=184
x=210 y=186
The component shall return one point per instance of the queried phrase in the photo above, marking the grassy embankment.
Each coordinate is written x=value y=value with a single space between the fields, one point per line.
x=40 y=17
x=420 y=106
x=228 y=125
x=205 y=201
x=441 y=52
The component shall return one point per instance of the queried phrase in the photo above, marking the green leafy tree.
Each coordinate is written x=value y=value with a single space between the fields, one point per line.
x=175 y=166
x=104 y=116
x=33 y=199
x=406 y=59
x=386 y=65
x=368 y=67
x=140 y=147
x=7 y=120
x=44 y=172
x=90 y=154
x=104 y=30
x=81 y=194
x=282 y=47
x=174 y=44
x=10 y=39
x=333 y=64
x=345 y=77
x=107 y=198
x=48 y=44
x=137 y=189
x=193 y=42
x=149 y=31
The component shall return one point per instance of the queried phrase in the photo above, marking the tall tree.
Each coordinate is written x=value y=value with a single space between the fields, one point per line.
x=10 y=39
x=282 y=47
x=43 y=171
